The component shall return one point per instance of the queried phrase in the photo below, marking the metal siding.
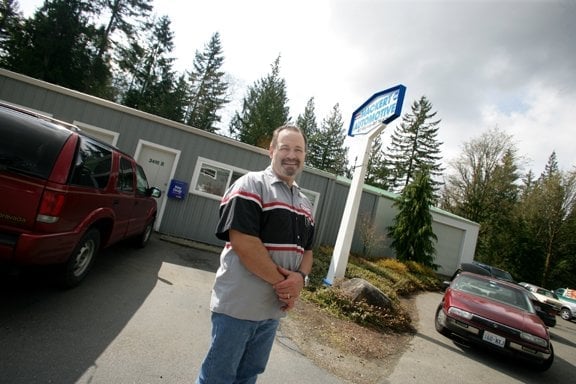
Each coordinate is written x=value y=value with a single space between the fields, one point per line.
x=448 y=247
x=366 y=209
x=195 y=217
x=324 y=187
x=334 y=209
x=384 y=217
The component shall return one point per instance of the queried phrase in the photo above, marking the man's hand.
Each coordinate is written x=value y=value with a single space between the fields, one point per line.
x=288 y=290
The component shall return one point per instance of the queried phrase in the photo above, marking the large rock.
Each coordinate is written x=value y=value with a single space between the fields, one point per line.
x=360 y=290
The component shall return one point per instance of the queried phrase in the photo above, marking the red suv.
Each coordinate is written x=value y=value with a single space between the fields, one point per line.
x=63 y=195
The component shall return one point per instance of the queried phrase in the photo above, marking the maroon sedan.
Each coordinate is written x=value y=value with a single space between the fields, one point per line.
x=497 y=314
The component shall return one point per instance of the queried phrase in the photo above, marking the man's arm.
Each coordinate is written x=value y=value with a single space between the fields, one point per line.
x=306 y=264
x=255 y=257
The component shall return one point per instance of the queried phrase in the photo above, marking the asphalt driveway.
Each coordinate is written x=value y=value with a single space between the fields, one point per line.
x=142 y=317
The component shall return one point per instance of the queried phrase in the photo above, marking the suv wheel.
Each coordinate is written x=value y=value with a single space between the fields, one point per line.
x=81 y=260
x=142 y=239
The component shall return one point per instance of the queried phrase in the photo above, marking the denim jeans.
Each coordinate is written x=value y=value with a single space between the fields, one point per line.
x=239 y=350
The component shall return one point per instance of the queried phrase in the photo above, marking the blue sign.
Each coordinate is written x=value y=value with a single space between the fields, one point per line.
x=382 y=108
x=178 y=189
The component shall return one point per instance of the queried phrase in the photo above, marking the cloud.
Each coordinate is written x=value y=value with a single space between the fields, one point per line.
x=481 y=63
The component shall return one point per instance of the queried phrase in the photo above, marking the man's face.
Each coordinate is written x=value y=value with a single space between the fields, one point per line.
x=288 y=155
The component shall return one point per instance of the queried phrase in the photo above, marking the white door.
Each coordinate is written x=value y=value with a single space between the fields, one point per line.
x=159 y=163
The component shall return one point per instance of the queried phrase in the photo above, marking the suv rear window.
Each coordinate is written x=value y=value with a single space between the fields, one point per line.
x=92 y=165
x=29 y=146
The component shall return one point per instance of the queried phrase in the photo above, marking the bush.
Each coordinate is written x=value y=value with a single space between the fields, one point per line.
x=394 y=278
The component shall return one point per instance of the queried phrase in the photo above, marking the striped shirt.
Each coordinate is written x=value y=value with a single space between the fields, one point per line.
x=260 y=204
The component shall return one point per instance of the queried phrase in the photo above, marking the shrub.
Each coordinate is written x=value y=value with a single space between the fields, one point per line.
x=394 y=278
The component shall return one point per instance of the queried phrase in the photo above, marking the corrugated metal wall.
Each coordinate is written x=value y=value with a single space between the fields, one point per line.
x=194 y=217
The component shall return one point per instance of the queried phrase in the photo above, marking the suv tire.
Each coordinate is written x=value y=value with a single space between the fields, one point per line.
x=142 y=239
x=81 y=260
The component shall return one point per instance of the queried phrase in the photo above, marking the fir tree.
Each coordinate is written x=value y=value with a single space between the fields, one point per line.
x=264 y=108
x=377 y=173
x=57 y=45
x=207 y=87
x=307 y=121
x=153 y=86
x=414 y=147
x=326 y=150
x=412 y=235
x=125 y=16
x=11 y=21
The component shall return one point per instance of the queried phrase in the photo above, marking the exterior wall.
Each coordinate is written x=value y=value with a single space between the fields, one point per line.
x=194 y=216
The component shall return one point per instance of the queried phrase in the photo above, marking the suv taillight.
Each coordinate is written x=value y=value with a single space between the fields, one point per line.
x=50 y=207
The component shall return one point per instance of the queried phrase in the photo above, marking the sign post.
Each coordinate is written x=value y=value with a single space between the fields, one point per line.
x=369 y=119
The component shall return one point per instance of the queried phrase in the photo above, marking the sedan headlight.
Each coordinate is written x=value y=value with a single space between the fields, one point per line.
x=460 y=313
x=534 y=339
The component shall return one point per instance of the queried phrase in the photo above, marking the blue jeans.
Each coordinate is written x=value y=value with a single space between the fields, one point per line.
x=239 y=350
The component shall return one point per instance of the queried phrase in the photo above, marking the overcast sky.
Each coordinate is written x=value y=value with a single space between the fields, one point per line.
x=482 y=64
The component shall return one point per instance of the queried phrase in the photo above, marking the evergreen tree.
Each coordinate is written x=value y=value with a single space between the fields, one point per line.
x=126 y=16
x=326 y=150
x=545 y=210
x=11 y=20
x=414 y=147
x=377 y=173
x=264 y=108
x=153 y=82
x=563 y=270
x=501 y=201
x=58 y=45
x=207 y=87
x=412 y=235
x=307 y=121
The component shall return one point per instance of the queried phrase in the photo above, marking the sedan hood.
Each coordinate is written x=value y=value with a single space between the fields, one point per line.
x=497 y=311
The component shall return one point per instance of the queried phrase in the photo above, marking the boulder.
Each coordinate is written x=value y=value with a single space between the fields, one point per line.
x=360 y=290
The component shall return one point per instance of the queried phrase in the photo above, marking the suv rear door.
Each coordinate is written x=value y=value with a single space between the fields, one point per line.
x=29 y=149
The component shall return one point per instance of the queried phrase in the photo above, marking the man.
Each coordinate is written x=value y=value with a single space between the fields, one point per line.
x=268 y=227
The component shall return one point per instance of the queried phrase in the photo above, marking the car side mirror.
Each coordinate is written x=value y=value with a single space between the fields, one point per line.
x=154 y=192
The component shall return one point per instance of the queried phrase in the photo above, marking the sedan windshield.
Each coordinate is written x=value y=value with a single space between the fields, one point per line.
x=494 y=290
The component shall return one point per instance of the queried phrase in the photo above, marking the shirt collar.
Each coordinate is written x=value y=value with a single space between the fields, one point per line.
x=275 y=179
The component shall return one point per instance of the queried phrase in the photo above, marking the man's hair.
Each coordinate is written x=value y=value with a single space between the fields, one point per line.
x=294 y=128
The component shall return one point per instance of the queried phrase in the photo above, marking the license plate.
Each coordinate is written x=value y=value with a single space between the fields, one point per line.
x=494 y=339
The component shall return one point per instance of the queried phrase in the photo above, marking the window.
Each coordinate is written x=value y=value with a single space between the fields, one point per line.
x=125 y=181
x=313 y=197
x=92 y=165
x=141 y=181
x=211 y=179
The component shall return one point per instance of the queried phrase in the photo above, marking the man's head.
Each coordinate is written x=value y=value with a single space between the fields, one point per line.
x=288 y=151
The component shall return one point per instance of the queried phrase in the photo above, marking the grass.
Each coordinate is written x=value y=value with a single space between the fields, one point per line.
x=395 y=279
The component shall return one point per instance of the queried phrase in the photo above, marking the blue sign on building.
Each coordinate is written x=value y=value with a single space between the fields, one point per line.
x=178 y=189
